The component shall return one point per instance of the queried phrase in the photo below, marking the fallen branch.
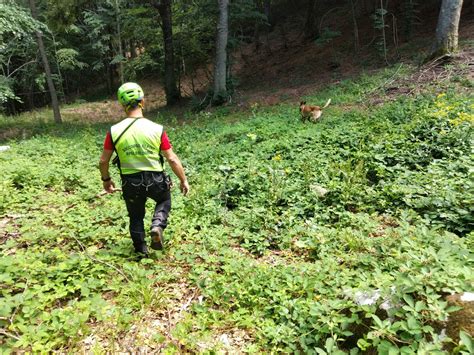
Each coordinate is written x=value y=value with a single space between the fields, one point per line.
x=99 y=261
x=10 y=335
x=388 y=81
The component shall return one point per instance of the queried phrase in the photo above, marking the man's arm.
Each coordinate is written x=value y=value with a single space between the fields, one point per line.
x=177 y=168
x=109 y=185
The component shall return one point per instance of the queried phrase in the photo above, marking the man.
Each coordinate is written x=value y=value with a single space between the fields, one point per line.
x=140 y=146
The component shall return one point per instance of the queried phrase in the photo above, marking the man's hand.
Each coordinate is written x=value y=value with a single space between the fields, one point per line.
x=177 y=168
x=109 y=186
x=184 y=186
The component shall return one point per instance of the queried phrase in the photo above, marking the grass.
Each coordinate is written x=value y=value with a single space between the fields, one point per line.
x=287 y=226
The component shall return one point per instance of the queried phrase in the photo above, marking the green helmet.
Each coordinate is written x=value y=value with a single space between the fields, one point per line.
x=130 y=94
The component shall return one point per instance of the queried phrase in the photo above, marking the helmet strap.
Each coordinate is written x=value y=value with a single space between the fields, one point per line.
x=129 y=108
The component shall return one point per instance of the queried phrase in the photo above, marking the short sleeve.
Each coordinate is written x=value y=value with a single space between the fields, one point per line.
x=165 y=142
x=108 y=144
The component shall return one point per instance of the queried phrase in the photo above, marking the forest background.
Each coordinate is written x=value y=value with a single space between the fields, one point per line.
x=92 y=46
x=351 y=235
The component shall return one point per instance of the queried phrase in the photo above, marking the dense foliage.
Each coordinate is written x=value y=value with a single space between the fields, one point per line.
x=288 y=229
x=92 y=45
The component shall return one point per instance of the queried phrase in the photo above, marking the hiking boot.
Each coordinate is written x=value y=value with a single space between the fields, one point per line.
x=141 y=256
x=156 y=238
x=142 y=250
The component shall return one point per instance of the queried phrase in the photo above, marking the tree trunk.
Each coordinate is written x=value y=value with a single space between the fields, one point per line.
x=356 y=27
x=132 y=46
x=31 y=101
x=171 y=90
x=111 y=68
x=108 y=73
x=446 y=40
x=263 y=7
x=220 y=87
x=119 y=39
x=310 y=26
x=47 y=69
x=256 y=35
x=267 y=10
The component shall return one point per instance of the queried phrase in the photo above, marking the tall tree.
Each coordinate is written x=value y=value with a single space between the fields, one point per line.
x=47 y=69
x=267 y=10
x=18 y=51
x=220 y=68
x=265 y=20
x=119 y=40
x=310 y=26
x=356 y=27
x=171 y=89
x=446 y=40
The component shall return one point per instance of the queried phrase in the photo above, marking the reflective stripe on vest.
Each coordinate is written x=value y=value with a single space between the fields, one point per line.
x=139 y=148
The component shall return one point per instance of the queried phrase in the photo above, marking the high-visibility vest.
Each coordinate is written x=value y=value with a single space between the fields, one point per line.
x=138 y=148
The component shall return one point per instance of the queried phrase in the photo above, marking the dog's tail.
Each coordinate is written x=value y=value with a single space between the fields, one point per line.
x=327 y=103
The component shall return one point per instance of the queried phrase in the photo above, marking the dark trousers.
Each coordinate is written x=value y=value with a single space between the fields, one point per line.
x=136 y=188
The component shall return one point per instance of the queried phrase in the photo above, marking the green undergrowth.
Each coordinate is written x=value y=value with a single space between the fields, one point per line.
x=288 y=226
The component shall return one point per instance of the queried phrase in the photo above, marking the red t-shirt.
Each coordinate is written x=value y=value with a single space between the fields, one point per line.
x=165 y=142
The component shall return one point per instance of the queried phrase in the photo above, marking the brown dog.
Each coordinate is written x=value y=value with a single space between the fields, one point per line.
x=312 y=113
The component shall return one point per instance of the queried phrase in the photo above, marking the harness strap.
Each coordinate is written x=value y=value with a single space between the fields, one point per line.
x=162 y=161
x=116 y=159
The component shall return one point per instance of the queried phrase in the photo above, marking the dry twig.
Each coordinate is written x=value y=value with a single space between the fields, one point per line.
x=99 y=261
x=10 y=335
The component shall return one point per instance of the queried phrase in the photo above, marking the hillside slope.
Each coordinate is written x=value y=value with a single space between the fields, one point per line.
x=287 y=65
x=345 y=235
